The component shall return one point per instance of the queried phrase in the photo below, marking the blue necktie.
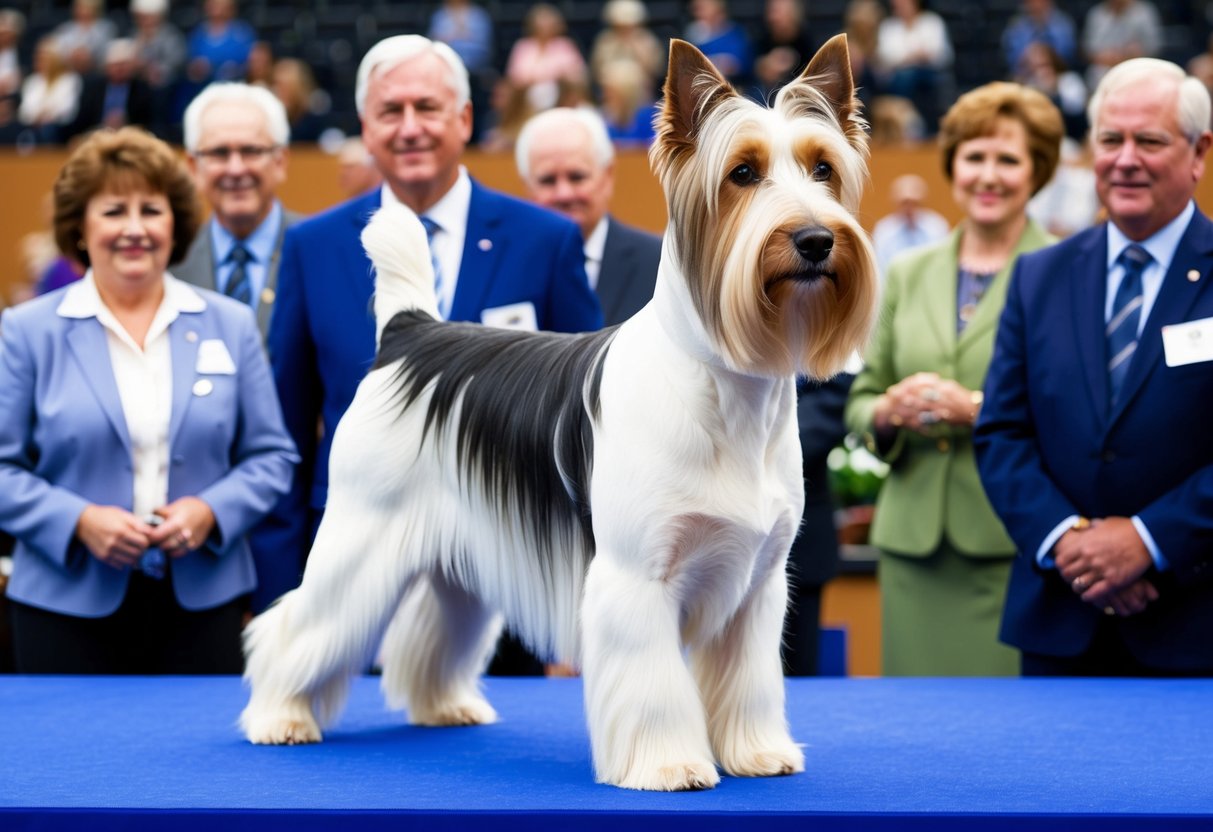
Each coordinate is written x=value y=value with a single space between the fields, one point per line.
x=1126 y=314
x=430 y=228
x=238 y=285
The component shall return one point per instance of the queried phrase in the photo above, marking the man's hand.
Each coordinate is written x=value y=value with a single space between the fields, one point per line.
x=1103 y=561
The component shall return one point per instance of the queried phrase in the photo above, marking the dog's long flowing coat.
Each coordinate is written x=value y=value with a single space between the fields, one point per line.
x=619 y=497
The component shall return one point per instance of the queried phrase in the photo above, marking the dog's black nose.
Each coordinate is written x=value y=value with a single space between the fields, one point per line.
x=814 y=242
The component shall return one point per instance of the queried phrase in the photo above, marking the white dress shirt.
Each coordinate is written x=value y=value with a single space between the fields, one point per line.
x=594 y=248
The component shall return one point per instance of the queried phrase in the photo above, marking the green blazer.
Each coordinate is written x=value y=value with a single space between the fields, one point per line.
x=933 y=488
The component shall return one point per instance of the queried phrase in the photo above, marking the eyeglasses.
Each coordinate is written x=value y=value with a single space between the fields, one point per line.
x=251 y=154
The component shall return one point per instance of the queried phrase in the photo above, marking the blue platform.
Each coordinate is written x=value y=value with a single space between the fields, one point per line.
x=883 y=754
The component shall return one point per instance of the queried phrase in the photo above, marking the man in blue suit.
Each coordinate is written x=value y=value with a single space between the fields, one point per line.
x=498 y=260
x=1094 y=443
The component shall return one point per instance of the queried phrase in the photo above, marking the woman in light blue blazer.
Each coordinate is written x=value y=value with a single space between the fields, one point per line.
x=140 y=434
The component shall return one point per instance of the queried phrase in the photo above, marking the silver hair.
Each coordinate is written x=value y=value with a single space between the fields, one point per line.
x=230 y=91
x=554 y=119
x=389 y=53
x=1192 y=108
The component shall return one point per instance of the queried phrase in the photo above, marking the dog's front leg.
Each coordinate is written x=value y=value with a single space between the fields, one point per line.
x=646 y=722
x=741 y=680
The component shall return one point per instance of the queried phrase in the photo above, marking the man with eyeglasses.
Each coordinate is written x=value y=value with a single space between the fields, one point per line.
x=499 y=261
x=1093 y=441
x=236 y=136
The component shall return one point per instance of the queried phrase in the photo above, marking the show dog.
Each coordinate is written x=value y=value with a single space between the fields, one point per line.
x=620 y=496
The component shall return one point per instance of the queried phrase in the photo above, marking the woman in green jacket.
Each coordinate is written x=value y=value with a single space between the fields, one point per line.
x=944 y=556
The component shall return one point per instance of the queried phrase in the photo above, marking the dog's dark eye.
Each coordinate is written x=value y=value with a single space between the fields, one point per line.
x=743 y=175
x=822 y=171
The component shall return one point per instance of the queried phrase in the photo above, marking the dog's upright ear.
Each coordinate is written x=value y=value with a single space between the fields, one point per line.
x=693 y=88
x=828 y=75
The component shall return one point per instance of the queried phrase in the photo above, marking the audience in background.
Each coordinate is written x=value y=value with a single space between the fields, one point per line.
x=115 y=97
x=784 y=47
x=911 y=224
x=914 y=58
x=1043 y=69
x=1116 y=30
x=724 y=41
x=1068 y=204
x=50 y=94
x=293 y=84
x=544 y=57
x=861 y=23
x=130 y=509
x=628 y=104
x=625 y=38
x=161 y=55
x=81 y=41
x=1039 y=21
x=259 y=69
x=218 y=47
x=567 y=162
x=12 y=26
x=944 y=556
x=1093 y=442
x=466 y=28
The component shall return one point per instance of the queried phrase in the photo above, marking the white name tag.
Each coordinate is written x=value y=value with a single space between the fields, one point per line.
x=214 y=359
x=512 y=316
x=1189 y=343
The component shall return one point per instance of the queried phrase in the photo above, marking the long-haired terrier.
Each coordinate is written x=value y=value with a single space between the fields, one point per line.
x=625 y=499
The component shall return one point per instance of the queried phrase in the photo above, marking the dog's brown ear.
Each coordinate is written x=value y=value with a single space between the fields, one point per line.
x=693 y=88
x=829 y=73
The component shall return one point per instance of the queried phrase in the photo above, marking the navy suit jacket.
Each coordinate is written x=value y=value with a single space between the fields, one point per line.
x=322 y=334
x=813 y=559
x=630 y=258
x=1049 y=446
x=64 y=444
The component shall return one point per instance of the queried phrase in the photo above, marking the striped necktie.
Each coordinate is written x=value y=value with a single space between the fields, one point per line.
x=430 y=228
x=238 y=285
x=1126 y=315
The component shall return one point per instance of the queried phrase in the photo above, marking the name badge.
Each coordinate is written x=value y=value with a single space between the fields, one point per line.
x=1188 y=343
x=512 y=316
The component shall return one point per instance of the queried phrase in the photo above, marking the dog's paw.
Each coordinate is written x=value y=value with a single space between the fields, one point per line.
x=471 y=711
x=785 y=758
x=681 y=777
x=282 y=731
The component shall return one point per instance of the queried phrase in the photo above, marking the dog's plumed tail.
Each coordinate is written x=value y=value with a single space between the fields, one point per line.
x=399 y=248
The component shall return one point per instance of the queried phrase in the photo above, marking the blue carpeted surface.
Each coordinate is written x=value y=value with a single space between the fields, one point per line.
x=157 y=753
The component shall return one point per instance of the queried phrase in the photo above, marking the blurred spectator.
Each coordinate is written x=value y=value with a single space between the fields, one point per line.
x=1116 y=30
x=723 y=41
x=356 y=171
x=628 y=103
x=1043 y=69
x=1039 y=21
x=783 y=48
x=259 y=71
x=466 y=28
x=46 y=268
x=544 y=57
x=626 y=38
x=1201 y=66
x=914 y=57
x=911 y=223
x=12 y=25
x=161 y=49
x=862 y=26
x=293 y=84
x=82 y=40
x=565 y=158
x=116 y=97
x=218 y=47
x=50 y=94
x=1069 y=203
x=510 y=107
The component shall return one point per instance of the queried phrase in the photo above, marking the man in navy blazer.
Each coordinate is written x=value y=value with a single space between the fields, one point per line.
x=499 y=261
x=1093 y=442
x=565 y=157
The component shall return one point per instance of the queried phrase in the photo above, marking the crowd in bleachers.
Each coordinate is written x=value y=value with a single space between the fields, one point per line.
x=66 y=68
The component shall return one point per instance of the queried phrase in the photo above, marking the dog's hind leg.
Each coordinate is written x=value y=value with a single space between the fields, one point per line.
x=741 y=680
x=647 y=727
x=436 y=647
x=303 y=650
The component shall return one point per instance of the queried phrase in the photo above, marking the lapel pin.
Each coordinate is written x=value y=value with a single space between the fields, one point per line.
x=203 y=387
x=1193 y=275
x=267 y=295
x=191 y=336
x=485 y=245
